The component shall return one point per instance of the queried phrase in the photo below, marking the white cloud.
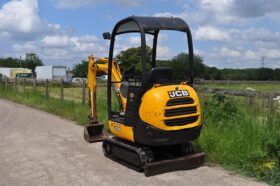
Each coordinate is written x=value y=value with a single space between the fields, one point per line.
x=29 y=47
x=248 y=30
x=211 y=33
x=253 y=8
x=71 y=4
x=261 y=34
x=134 y=40
x=182 y=15
x=251 y=55
x=272 y=53
x=225 y=52
x=233 y=11
x=215 y=5
x=20 y=19
x=221 y=12
x=163 y=52
x=237 y=25
x=76 y=3
x=64 y=47
x=20 y=16
x=56 y=41
x=198 y=52
x=164 y=14
x=26 y=31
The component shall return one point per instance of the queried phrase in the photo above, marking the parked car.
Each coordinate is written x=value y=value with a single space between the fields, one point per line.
x=103 y=78
x=79 y=80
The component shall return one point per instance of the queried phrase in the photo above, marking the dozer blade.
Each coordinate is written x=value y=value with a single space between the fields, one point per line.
x=94 y=133
x=139 y=159
x=186 y=162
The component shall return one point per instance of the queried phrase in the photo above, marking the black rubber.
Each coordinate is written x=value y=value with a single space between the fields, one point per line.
x=152 y=161
x=186 y=162
x=125 y=153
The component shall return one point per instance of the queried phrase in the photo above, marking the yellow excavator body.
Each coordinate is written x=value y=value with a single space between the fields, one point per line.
x=157 y=116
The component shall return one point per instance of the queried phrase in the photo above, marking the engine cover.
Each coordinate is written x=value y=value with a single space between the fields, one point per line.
x=171 y=107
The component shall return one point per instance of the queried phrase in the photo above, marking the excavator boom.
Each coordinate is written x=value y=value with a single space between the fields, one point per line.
x=94 y=131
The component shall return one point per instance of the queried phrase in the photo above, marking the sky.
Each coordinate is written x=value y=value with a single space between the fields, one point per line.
x=226 y=33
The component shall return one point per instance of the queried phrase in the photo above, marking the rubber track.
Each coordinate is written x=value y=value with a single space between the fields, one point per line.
x=142 y=156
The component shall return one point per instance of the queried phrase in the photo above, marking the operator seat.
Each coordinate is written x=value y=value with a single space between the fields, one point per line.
x=160 y=75
x=124 y=88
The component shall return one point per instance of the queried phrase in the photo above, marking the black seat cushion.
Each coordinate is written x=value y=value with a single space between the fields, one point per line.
x=159 y=75
x=124 y=88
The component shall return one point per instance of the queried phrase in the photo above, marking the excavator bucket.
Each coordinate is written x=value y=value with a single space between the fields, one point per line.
x=94 y=132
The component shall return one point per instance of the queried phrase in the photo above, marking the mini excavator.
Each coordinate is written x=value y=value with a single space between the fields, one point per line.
x=158 y=117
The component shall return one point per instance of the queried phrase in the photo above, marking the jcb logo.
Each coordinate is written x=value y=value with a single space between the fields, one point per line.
x=178 y=93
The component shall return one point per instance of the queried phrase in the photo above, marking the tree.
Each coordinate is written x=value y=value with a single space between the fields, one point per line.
x=276 y=74
x=130 y=63
x=180 y=65
x=31 y=61
x=80 y=70
x=10 y=62
x=130 y=60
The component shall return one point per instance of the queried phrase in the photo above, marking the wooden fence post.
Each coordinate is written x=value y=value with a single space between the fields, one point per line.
x=47 y=88
x=62 y=89
x=34 y=84
x=262 y=100
x=6 y=83
x=84 y=92
x=15 y=85
x=251 y=101
x=272 y=95
x=24 y=83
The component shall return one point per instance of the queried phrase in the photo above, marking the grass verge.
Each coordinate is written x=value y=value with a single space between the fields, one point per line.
x=67 y=109
x=242 y=138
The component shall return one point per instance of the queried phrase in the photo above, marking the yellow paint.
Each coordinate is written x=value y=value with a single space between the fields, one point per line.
x=15 y=71
x=121 y=131
x=154 y=102
x=93 y=67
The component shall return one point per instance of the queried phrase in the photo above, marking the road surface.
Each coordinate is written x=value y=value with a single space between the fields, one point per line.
x=37 y=148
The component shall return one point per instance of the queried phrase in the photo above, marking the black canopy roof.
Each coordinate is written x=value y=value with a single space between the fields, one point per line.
x=150 y=24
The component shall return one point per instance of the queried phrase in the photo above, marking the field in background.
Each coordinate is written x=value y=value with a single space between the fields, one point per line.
x=243 y=85
x=238 y=133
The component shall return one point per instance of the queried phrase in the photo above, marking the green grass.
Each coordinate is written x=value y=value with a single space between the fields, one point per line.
x=70 y=108
x=241 y=138
x=242 y=86
x=67 y=109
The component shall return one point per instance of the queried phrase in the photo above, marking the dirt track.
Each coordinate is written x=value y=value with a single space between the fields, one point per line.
x=37 y=148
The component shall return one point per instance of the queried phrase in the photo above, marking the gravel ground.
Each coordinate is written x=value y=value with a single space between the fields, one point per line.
x=37 y=148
